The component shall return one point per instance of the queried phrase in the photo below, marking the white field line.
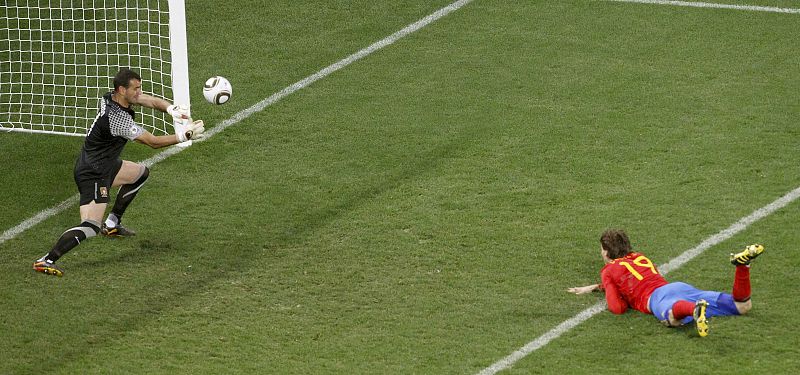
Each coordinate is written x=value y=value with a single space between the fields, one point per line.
x=673 y=264
x=696 y=4
x=260 y=106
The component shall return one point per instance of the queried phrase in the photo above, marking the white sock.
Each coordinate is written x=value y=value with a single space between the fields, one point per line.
x=112 y=221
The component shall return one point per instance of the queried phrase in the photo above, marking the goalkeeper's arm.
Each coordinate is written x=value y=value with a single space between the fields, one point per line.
x=193 y=131
x=178 y=112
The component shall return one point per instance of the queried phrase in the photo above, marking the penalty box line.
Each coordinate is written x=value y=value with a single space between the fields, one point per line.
x=258 y=107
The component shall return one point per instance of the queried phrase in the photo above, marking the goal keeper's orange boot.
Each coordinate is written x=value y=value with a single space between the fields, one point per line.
x=48 y=268
x=118 y=231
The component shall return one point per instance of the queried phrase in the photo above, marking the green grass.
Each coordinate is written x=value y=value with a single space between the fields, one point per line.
x=424 y=209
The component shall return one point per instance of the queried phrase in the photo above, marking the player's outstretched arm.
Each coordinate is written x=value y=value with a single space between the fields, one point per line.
x=153 y=102
x=157 y=141
x=193 y=131
x=584 y=289
x=178 y=112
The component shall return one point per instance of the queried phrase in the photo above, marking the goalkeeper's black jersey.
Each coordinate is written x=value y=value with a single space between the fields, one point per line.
x=111 y=130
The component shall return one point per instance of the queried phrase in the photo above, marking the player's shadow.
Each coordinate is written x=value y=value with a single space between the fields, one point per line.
x=144 y=250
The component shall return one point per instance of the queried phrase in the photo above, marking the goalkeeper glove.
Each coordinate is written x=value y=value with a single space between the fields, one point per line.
x=178 y=112
x=193 y=131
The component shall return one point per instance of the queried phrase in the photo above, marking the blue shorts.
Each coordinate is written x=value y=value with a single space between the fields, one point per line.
x=662 y=299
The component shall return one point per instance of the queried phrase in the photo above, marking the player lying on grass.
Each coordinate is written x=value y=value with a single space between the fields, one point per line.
x=99 y=167
x=630 y=279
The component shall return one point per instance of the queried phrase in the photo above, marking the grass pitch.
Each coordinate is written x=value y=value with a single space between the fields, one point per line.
x=424 y=209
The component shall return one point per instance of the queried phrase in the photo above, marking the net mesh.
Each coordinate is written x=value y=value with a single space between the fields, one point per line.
x=58 y=57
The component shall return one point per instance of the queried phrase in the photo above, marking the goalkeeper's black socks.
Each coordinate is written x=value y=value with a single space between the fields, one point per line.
x=72 y=237
x=125 y=197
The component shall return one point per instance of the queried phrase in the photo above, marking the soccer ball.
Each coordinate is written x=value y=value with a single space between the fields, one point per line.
x=217 y=90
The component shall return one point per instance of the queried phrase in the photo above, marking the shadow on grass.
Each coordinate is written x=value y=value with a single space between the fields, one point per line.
x=151 y=250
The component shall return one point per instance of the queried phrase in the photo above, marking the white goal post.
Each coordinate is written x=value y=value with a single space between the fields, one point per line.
x=58 y=58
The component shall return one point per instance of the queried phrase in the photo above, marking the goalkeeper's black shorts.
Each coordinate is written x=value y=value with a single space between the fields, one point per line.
x=95 y=186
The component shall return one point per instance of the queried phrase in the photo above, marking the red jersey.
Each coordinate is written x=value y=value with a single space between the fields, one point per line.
x=629 y=281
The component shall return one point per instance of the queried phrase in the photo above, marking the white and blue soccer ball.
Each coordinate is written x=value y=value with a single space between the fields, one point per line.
x=217 y=90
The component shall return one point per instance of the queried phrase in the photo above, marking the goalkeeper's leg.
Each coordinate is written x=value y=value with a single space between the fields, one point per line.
x=71 y=238
x=91 y=214
x=131 y=178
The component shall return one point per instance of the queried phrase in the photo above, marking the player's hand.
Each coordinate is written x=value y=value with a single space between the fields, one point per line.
x=583 y=289
x=194 y=130
x=178 y=112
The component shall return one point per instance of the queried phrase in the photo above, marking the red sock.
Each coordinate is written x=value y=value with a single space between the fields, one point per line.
x=682 y=309
x=741 y=284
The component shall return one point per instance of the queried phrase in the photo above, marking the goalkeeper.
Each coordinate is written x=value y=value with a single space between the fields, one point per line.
x=99 y=167
x=630 y=279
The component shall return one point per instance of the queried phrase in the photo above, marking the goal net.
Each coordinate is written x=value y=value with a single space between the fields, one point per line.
x=58 y=58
